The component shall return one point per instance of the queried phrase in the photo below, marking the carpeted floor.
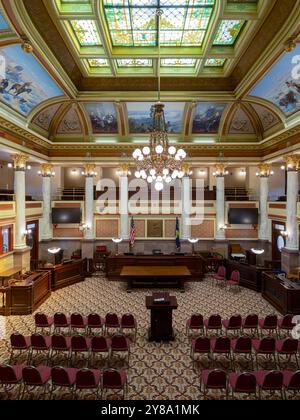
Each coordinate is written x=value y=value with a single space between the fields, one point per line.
x=157 y=370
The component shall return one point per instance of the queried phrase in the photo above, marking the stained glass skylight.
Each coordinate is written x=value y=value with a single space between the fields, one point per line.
x=134 y=22
x=98 y=62
x=86 y=32
x=134 y=62
x=228 y=32
x=178 y=62
x=215 y=62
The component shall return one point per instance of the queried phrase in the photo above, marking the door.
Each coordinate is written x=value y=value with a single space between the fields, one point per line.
x=33 y=239
x=278 y=240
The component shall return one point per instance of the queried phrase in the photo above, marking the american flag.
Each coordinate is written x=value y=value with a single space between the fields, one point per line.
x=132 y=233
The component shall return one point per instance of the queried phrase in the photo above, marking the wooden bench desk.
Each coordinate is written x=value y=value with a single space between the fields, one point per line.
x=155 y=276
x=8 y=274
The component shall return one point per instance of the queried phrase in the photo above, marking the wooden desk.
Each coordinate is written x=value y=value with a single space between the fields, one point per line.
x=161 y=317
x=63 y=275
x=195 y=263
x=157 y=275
x=8 y=274
x=250 y=275
x=283 y=295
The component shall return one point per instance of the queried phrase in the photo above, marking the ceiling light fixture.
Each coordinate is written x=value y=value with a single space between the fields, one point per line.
x=159 y=162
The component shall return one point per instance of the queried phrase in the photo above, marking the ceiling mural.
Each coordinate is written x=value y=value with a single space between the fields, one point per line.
x=103 y=117
x=140 y=119
x=70 y=122
x=44 y=118
x=4 y=26
x=281 y=84
x=241 y=123
x=267 y=117
x=207 y=117
x=26 y=83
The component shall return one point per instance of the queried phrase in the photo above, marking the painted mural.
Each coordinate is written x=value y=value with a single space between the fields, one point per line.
x=103 y=116
x=208 y=117
x=140 y=120
x=24 y=83
x=281 y=85
x=4 y=26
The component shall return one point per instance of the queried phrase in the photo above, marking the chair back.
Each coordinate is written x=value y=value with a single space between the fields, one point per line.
x=111 y=379
x=79 y=343
x=59 y=376
x=273 y=380
x=119 y=342
x=246 y=383
x=290 y=345
x=222 y=344
x=128 y=321
x=221 y=271
x=235 y=276
x=59 y=342
x=111 y=319
x=217 y=379
x=202 y=344
x=267 y=345
x=243 y=344
x=235 y=321
x=18 y=341
x=77 y=320
x=7 y=375
x=31 y=376
x=196 y=321
x=99 y=344
x=94 y=320
x=41 y=320
x=38 y=342
x=215 y=321
x=85 y=379
x=270 y=321
x=287 y=321
x=294 y=383
x=60 y=320
x=251 y=321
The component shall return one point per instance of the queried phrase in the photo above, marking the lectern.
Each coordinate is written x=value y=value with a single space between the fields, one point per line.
x=161 y=316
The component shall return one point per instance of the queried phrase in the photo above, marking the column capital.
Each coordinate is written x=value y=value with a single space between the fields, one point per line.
x=186 y=169
x=292 y=163
x=19 y=162
x=123 y=170
x=264 y=171
x=47 y=170
x=89 y=170
x=220 y=170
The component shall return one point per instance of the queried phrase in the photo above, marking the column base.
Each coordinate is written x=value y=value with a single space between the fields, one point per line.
x=289 y=259
x=22 y=259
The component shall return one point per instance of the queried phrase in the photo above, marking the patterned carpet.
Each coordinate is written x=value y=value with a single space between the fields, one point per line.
x=157 y=370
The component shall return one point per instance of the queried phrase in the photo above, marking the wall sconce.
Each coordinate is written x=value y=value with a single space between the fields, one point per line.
x=257 y=251
x=193 y=241
x=117 y=241
x=284 y=233
x=84 y=227
x=27 y=232
x=264 y=171
x=46 y=171
x=224 y=227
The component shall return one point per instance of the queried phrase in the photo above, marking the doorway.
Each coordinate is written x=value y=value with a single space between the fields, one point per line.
x=33 y=239
x=278 y=240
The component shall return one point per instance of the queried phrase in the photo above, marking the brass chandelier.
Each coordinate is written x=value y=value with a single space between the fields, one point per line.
x=159 y=162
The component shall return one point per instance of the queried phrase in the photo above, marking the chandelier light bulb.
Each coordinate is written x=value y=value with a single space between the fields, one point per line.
x=159 y=178
x=144 y=176
x=154 y=177
x=166 y=172
x=172 y=150
x=152 y=172
x=140 y=158
x=177 y=157
x=136 y=153
x=149 y=179
x=181 y=174
x=146 y=151
x=181 y=153
x=168 y=179
x=159 y=149
x=137 y=174
x=159 y=186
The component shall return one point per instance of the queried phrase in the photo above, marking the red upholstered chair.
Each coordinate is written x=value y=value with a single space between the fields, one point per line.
x=242 y=346
x=79 y=345
x=234 y=282
x=114 y=380
x=19 y=344
x=35 y=378
x=214 y=323
x=120 y=344
x=269 y=324
x=269 y=381
x=128 y=322
x=60 y=345
x=43 y=321
x=200 y=345
x=285 y=324
x=250 y=323
x=61 y=322
x=95 y=322
x=99 y=345
x=221 y=345
x=213 y=379
x=11 y=377
x=291 y=382
x=112 y=322
x=265 y=347
x=195 y=323
x=88 y=379
x=242 y=383
x=220 y=277
x=40 y=344
x=63 y=378
x=78 y=322
x=287 y=348
x=234 y=323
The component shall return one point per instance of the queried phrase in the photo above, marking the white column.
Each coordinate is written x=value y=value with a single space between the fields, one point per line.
x=292 y=198
x=89 y=206
x=46 y=221
x=264 y=193
x=186 y=206
x=220 y=216
x=123 y=200
x=20 y=226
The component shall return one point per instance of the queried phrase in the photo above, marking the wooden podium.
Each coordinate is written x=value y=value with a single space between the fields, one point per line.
x=161 y=317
